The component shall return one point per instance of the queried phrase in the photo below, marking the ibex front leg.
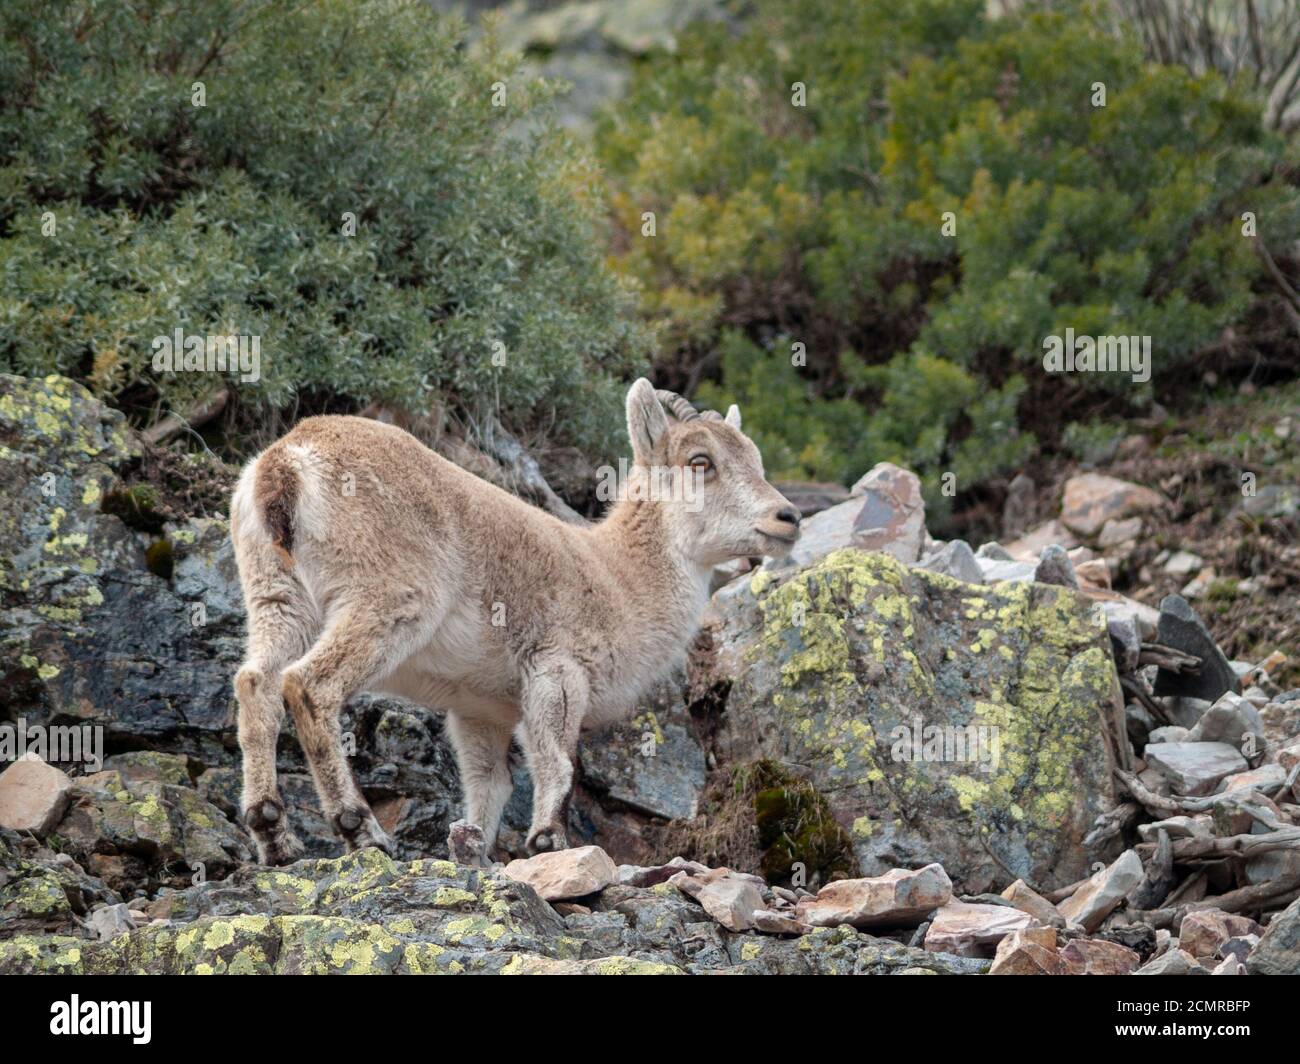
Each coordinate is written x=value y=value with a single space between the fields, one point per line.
x=554 y=702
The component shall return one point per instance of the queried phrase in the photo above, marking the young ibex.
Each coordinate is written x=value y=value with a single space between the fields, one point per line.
x=370 y=563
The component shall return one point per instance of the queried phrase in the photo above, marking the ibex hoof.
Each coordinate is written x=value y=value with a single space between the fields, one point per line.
x=546 y=839
x=360 y=829
x=276 y=842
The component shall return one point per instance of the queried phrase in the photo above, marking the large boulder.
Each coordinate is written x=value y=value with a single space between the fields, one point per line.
x=943 y=722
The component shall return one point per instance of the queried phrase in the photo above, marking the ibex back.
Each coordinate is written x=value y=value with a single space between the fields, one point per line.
x=370 y=563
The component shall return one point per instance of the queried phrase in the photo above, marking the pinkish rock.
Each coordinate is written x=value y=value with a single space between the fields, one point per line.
x=1095 y=956
x=899 y=898
x=1092 y=499
x=973 y=929
x=729 y=897
x=1088 y=906
x=565 y=873
x=892 y=518
x=1204 y=931
x=33 y=795
x=1031 y=951
x=1027 y=900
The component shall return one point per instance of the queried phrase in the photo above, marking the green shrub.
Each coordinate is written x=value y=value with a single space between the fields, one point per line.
x=778 y=224
x=475 y=224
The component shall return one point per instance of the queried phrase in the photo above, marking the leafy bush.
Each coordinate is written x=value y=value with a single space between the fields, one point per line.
x=778 y=224
x=474 y=224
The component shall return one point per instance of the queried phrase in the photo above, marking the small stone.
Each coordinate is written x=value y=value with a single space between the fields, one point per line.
x=1228 y=721
x=641 y=876
x=564 y=874
x=954 y=559
x=1088 y=906
x=1183 y=630
x=1173 y=962
x=1090 y=500
x=973 y=929
x=1031 y=951
x=1239 y=946
x=1229 y=966
x=1027 y=900
x=1203 y=931
x=1183 y=563
x=1095 y=956
x=1170 y=733
x=1031 y=545
x=777 y=923
x=995 y=570
x=1116 y=532
x=1194 y=769
x=111 y=921
x=1200 y=584
x=901 y=897
x=33 y=795
x=1255 y=779
x=730 y=898
x=1093 y=573
x=1125 y=636
x=1054 y=567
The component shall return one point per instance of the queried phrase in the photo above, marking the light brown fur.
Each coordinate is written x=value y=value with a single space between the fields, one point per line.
x=370 y=563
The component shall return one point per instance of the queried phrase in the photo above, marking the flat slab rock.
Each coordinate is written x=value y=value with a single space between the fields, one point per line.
x=1195 y=769
x=565 y=873
x=973 y=929
x=899 y=898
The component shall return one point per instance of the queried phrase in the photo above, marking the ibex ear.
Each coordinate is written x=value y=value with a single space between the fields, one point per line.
x=733 y=416
x=647 y=424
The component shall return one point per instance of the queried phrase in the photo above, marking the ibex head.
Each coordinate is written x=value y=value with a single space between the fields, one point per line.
x=708 y=475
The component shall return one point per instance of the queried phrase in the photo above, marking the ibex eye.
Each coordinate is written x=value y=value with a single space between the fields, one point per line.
x=701 y=463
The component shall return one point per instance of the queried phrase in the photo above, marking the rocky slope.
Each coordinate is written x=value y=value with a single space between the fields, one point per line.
x=873 y=742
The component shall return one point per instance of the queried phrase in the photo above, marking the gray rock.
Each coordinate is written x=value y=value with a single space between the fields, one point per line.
x=1055 y=567
x=1170 y=733
x=1229 y=720
x=1278 y=951
x=994 y=552
x=111 y=921
x=1125 y=636
x=1194 y=769
x=954 y=559
x=834 y=667
x=1186 y=711
x=1183 y=630
x=657 y=768
x=996 y=570
x=892 y=518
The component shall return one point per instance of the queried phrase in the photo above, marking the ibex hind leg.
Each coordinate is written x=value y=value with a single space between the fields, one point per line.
x=555 y=695
x=281 y=625
x=365 y=640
